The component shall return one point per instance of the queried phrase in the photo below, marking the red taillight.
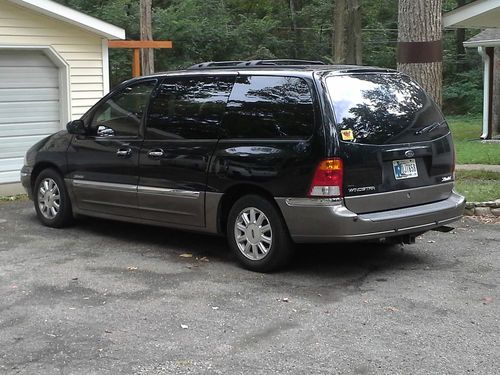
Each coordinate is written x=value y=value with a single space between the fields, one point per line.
x=327 y=180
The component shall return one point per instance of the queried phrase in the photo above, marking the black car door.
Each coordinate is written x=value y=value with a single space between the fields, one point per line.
x=182 y=131
x=103 y=164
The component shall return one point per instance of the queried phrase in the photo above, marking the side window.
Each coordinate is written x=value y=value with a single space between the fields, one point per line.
x=269 y=107
x=122 y=113
x=188 y=108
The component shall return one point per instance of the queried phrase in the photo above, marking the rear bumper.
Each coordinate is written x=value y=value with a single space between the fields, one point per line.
x=26 y=180
x=314 y=220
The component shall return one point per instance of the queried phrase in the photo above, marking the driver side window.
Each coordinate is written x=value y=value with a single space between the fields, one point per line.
x=121 y=114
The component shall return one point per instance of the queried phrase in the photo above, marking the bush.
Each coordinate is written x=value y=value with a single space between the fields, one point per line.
x=464 y=94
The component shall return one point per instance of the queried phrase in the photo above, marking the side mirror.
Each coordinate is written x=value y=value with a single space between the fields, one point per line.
x=76 y=127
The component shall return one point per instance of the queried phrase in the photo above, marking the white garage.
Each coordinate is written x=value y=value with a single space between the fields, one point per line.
x=53 y=67
x=29 y=106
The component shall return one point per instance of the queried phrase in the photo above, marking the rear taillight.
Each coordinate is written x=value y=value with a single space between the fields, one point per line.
x=327 y=180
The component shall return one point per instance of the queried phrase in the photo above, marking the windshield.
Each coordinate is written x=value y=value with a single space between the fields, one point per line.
x=383 y=109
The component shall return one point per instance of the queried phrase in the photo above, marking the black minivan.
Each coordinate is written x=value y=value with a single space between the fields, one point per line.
x=267 y=153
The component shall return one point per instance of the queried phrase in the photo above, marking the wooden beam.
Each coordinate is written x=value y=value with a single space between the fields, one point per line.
x=136 y=63
x=140 y=44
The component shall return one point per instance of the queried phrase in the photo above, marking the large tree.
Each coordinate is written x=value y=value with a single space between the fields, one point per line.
x=347 y=38
x=420 y=51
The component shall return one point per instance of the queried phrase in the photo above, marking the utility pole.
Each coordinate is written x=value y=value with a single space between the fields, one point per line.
x=147 y=54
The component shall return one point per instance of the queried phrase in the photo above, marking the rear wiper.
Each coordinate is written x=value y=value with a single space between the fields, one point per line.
x=430 y=127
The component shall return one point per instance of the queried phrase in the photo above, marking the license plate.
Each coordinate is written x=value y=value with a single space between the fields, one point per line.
x=406 y=168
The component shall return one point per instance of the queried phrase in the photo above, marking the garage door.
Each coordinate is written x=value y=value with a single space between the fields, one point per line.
x=29 y=106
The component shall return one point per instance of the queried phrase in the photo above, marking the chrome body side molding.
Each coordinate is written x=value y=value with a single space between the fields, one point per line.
x=168 y=192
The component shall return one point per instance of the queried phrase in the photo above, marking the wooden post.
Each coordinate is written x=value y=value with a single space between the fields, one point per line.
x=136 y=45
x=136 y=63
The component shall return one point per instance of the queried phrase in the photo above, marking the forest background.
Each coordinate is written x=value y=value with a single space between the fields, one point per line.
x=215 y=30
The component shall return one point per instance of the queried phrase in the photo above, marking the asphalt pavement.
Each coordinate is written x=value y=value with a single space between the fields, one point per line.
x=105 y=297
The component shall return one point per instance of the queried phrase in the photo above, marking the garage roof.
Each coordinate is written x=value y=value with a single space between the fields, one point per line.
x=476 y=15
x=63 y=13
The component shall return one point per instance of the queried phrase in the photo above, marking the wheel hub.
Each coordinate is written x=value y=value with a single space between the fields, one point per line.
x=253 y=233
x=49 y=198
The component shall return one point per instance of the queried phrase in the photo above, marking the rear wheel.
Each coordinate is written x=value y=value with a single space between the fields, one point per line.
x=257 y=234
x=52 y=203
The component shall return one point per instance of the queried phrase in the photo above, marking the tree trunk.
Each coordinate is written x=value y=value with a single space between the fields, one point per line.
x=297 y=35
x=420 y=51
x=147 y=54
x=354 y=37
x=339 y=47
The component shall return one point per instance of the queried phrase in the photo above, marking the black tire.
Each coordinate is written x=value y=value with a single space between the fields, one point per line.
x=43 y=203
x=279 y=249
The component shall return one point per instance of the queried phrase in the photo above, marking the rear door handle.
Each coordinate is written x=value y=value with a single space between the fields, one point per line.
x=124 y=152
x=156 y=153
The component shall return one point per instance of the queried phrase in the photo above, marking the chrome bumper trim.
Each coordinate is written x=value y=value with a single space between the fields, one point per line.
x=312 y=202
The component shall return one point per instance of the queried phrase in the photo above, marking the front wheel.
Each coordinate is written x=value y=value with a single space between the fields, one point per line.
x=258 y=235
x=52 y=203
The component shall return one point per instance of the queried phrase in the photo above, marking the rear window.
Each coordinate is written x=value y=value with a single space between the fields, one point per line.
x=383 y=109
x=269 y=107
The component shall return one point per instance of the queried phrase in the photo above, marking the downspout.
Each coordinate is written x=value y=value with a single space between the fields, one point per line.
x=486 y=91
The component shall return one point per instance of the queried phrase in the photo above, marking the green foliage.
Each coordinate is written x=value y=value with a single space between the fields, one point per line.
x=464 y=93
x=206 y=30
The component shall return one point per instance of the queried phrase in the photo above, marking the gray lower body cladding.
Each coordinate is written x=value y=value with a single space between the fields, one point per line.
x=316 y=221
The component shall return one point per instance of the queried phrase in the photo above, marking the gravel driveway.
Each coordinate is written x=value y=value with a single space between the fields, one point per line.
x=106 y=297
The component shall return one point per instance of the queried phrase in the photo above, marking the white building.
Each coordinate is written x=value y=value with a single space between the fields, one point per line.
x=53 y=67
x=484 y=14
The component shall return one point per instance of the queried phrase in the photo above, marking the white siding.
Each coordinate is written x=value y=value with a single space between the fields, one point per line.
x=82 y=50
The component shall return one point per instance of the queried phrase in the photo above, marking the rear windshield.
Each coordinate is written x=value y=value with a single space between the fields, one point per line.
x=383 y=109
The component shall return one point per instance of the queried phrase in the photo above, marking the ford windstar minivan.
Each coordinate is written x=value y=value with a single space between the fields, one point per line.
x=267 y=153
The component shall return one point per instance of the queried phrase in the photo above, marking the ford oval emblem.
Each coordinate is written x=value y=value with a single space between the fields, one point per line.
x=409 y=154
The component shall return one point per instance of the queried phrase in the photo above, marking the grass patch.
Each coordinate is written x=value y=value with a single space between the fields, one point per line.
x=478 y=186
x=12 y=198
x=469 y=149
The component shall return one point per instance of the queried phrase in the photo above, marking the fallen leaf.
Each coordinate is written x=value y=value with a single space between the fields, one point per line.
x=285 y=299
x=186 y=255
x=215 y=307
x=487 y=300
x=203 y=259
x=184 y=326
x=132 y=268
x=391 y=309
x=431 y=241
x=107 y=331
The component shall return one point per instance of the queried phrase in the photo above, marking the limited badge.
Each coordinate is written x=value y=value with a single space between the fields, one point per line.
x=347 y=135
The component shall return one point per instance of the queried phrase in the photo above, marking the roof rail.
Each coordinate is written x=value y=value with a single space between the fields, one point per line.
x=253 y=63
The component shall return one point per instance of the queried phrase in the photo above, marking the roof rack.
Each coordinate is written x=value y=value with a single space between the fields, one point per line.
x=253 y=63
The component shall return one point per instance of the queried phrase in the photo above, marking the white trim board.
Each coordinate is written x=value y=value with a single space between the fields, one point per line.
x=478 y=14
x=63 y=13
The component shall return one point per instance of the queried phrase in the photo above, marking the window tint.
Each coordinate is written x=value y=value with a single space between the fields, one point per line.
x=383 y=109
x=269 y=107
x=121 y=114
x=188 y=107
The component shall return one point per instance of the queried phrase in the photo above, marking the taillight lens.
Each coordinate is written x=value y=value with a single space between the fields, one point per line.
x=327 y=181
